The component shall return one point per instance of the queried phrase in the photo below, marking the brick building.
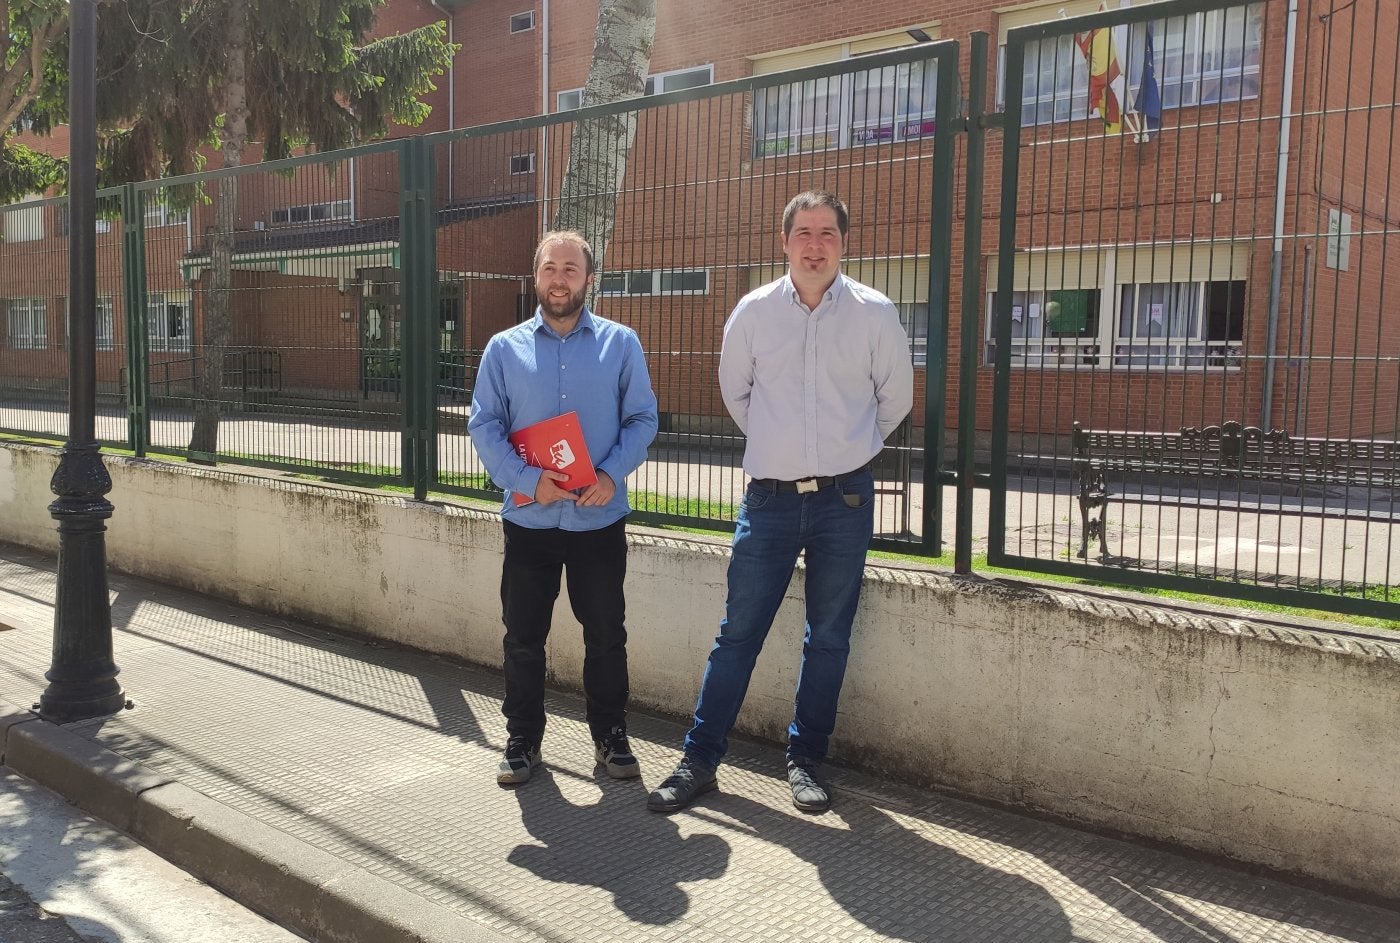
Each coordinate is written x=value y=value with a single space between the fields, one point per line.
x=1197 y=272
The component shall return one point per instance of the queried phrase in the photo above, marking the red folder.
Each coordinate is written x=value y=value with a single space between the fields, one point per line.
x=556 y=444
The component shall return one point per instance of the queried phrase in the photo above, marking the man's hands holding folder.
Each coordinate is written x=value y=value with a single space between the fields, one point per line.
x=595 y=495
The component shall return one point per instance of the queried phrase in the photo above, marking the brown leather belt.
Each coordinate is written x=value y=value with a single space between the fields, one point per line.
x=808 y=485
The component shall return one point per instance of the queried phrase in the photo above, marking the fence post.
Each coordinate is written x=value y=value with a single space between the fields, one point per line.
x=1013 y=69
x=940 y=261
x=971 y=333
x=138 y=390
x=418 y=254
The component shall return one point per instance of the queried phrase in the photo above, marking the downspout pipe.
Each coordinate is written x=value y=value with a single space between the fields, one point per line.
x=451 y=93
x=1280 y=197
x=542 y=161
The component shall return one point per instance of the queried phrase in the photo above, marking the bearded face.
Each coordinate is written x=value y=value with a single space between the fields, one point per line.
x=559 y=300
x=561 y=279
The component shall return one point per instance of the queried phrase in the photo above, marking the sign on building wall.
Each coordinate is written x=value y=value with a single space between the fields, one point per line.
x=1338 y=240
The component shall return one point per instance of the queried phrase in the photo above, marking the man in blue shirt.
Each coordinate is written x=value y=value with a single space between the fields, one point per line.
x=564 y=359
x=816 y=371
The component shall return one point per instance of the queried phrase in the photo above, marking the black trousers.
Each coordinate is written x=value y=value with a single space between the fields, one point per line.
x=595 y=562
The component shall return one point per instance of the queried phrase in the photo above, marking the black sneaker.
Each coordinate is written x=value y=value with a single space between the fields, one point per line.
x=521 y=757
x=615 y=756
x=808 y=793
x=678 y=790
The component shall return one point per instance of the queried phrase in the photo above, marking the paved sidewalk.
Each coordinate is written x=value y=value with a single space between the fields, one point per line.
x=348 y=789
x=96 y=885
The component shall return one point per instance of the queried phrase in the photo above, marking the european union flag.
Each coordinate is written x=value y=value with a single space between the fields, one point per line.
x=1149 y=97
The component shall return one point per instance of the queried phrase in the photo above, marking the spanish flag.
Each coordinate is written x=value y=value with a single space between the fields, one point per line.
x=1106 y=79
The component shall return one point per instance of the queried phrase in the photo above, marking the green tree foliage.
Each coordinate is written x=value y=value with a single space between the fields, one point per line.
x=179 y=75
x=32 y=85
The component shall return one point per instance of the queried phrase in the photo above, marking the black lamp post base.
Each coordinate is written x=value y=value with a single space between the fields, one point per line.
x=66 y=701
x=83 y=674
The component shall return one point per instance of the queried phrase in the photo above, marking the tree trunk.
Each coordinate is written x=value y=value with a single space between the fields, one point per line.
x=600 y=148
x=208 y=404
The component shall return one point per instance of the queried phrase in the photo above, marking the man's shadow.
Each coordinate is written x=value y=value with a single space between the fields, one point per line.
x=640 y=859
x=903 y=885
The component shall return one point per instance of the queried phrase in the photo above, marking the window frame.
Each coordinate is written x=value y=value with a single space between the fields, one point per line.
x=158 y=215
x=162 y=341
x=576 y=94
x=1172 y=80
x=24 y=221
x=35 y=320
x=633 y=278
x=840 y=130
x=514 y=18
x=1182 y=349
x=529 y=168
x=106 y=321
x=101 y=224
x=1113 y=340
x=915 y=329
x=335 y=210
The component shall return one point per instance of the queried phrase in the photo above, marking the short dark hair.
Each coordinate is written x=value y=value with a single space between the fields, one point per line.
x=813 y=199
x=572 y=238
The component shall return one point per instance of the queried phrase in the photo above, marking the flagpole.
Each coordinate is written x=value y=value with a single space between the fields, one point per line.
x=1132 y=124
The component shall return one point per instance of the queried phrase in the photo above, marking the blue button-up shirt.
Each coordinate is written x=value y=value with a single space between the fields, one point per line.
x=528 y=374
x=815 y=391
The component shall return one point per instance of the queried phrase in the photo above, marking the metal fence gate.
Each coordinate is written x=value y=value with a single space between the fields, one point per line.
x=1194 y=337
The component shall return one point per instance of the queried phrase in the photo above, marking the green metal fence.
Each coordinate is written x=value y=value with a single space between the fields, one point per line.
x=34 y=317
x=696 y=226
x=1195 y=357
x=364 y=283
x=1172 y=363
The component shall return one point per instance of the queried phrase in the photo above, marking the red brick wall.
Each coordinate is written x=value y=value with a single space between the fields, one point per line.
x=299 y=318
x=495 y=252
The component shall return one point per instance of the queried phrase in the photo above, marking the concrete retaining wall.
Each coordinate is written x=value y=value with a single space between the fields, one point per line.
x=1272 y=744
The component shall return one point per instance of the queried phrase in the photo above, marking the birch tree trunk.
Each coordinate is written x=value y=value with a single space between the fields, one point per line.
x=217 y=321
x=600 y=148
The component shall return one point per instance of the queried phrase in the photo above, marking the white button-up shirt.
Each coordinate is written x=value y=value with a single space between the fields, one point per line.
x=816 y=391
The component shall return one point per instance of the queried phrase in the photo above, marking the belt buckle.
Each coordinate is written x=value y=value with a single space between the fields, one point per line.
x=806 y=485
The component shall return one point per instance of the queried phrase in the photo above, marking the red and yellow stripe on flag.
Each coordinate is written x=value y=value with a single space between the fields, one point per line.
x=1105 y=73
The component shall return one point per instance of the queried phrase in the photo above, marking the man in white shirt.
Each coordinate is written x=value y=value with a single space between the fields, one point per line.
x=816 y=371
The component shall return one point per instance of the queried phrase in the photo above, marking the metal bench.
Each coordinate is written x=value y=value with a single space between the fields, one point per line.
x=1227 y=451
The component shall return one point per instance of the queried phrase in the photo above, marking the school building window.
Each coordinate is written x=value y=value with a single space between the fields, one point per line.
x=1143 y=306
x=167 y=321
x=1204 y=58
x=105 y=337
x=655 y=282
x=26 y=324
x=656 y=84
x=158 y=214
x=24 y=223
x=311 y=212
x=873 y=106
x=100 y=225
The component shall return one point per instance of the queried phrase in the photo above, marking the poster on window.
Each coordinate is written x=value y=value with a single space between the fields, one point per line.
x=1067 y=312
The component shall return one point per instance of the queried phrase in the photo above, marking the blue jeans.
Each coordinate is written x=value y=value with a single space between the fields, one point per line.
x=833 y=527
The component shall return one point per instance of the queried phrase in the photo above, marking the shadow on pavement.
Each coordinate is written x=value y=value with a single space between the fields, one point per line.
x=616 y=845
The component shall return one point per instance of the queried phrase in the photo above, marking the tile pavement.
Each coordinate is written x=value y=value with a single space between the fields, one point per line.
x=383 y=760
